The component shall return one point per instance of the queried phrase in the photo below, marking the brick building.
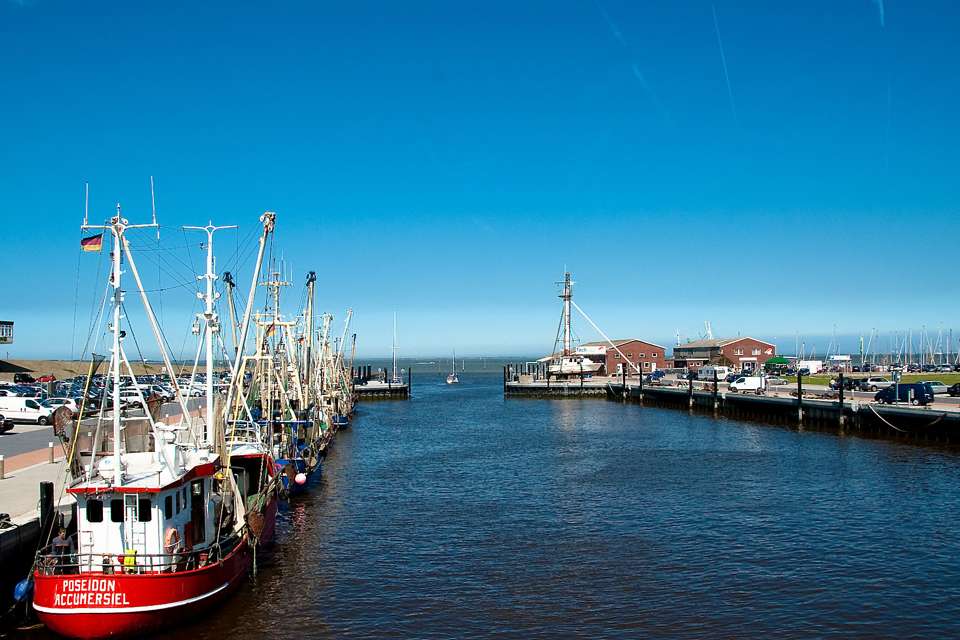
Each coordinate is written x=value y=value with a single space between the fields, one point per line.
x=740 y=353
x=646 y=355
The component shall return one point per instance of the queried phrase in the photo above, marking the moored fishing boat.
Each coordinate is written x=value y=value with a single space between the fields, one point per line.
x=168 y=522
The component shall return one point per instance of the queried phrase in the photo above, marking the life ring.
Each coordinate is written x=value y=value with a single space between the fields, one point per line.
x=171 y=540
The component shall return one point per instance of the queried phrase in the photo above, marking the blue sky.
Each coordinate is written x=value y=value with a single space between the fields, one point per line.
x=446 y=160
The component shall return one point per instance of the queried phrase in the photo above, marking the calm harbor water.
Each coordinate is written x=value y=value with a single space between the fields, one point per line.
x=460 y=514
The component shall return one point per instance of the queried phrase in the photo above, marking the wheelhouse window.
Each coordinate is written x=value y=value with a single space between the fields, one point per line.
x=94 y=511
x=144 y=510
x=179 y=502
x=116 y=510
x=168 y=507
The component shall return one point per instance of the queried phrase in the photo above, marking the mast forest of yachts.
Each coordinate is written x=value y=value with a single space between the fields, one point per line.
x=175 y=497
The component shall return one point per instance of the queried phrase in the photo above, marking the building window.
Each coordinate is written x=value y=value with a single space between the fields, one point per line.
x=769 y=351
x=616 y=356
x=653 y=354
x=738 y=352
x=643 y=355
x=756 y=352
x=646 y=365
x=630 y=355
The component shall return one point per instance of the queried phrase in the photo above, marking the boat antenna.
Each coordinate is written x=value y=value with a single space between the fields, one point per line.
x=86 y=203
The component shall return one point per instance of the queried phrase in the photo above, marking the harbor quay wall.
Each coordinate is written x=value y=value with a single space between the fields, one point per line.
x=911 y=424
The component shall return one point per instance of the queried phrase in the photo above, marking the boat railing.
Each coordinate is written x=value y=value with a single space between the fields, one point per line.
x=242 y=431
x=50 y=562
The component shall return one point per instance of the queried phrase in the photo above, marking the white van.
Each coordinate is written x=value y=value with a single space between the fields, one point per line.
x=706 y=373
x=745 y=384
x=24 y=410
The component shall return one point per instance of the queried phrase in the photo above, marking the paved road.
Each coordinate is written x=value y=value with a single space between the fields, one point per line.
x=26 y=437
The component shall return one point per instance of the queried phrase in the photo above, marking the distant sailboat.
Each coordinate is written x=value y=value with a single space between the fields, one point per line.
x=452 y=376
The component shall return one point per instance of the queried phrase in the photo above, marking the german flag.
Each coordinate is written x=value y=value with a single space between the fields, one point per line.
x=93 y=243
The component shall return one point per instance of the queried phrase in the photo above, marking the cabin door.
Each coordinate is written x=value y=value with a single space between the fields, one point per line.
x=198 y=517
x=136 y=528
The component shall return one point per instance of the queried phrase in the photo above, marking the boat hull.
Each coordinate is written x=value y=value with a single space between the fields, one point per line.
x=98 y=605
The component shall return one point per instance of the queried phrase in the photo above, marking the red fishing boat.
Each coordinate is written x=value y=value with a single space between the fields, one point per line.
x=169 y=515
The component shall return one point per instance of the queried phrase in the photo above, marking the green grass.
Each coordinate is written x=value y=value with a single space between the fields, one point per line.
x=946 y=378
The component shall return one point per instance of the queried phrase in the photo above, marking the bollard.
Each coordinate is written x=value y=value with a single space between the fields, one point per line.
x=50 y=452
x=799 y=398
x=1 y=467
x=46 y=512
x=716 y=385
x=840 y=388
x=690 y=389
x=640 y=378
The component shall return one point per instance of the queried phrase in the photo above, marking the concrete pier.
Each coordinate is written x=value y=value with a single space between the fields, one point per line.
x=930 y=424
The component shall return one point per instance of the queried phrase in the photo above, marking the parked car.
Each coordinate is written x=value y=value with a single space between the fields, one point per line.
x=945 y=368
x=6 y=424
x=849 y=384
x=56 y=403
x=777 y=380
x=874 y=383
x=916 y=393
x=938 y=387
x=656 y=376
x=23 y=378
x=744 y=384
x=954 y=390
x=24 y=410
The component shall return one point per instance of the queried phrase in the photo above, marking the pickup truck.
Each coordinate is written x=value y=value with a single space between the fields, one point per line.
x=874 y=383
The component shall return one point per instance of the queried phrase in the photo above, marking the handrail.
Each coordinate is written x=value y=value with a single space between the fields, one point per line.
x=49 y=563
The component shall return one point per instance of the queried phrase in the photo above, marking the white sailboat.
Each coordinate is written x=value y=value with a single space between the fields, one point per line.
x=452 y=377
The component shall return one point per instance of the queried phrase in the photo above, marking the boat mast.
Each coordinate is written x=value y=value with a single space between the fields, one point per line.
x=231 y=285
x=566 y=296
x=268 y=220
x=394 y=377
x=308 y=321
x=118 y=225
x=211 y=321
x=116 y=228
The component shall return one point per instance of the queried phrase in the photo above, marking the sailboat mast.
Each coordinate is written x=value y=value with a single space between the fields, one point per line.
x=394 y=346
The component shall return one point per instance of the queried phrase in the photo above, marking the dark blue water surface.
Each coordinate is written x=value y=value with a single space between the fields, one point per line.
x=461 y=514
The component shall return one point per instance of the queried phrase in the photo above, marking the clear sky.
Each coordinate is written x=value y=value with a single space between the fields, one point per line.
x=772 y=167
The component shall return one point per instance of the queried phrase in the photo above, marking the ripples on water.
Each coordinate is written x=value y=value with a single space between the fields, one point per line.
x=460 y=514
